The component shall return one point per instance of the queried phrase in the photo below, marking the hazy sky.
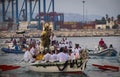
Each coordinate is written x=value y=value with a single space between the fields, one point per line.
x=92 y=7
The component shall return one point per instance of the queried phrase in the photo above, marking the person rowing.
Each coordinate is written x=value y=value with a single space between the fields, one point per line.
x=102 y=44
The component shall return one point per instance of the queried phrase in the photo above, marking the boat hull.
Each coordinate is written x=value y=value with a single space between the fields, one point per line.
x=7 y=50
x=110 y=52
x=118 y=57
x=55 y=68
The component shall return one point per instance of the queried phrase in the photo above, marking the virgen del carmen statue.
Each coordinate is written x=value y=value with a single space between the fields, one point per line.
x=45 y=36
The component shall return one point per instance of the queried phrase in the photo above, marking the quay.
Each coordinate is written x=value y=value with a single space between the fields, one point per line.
x=66 y=33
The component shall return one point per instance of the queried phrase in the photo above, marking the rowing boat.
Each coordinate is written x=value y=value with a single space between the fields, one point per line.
x=105 y=52
x=7 y=50
x=69 y=66
x=59 y=66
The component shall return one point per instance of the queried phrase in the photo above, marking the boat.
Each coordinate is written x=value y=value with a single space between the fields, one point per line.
x=111 y=52
x=69 y=66
x=118 y=58
x=59 y=66
x=20 y=32
x=64 y=67
x=8 y=50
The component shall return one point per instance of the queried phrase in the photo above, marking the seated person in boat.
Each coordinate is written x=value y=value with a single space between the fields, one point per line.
x=15 y=47
x=70 y=44
x=46 y=56
x=33 y=50
x=111 y=46
x=65 y=42
x=62 y=55
x=76 y=51
x=61 y=44
x=71 y=55
x=28 y=57
x=102 y=44
x=53 y=56
x=14 y=41
x=53 y=39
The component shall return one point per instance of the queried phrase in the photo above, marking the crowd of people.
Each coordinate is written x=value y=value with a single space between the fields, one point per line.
x=61 y=51
x=53 y=50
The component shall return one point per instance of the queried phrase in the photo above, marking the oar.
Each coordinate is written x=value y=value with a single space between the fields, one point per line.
x=8 y=67
x=107 y=67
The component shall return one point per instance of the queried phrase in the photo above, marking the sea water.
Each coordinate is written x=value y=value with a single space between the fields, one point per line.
x=84 y=42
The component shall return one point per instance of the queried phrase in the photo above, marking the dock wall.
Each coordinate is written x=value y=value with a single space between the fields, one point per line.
x=67 y=33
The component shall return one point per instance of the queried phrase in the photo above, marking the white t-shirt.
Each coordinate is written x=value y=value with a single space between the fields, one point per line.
x=53 y=57
x=62 y=57
x=76 y=51
x=32 y=51
x=28 y=57
x=72 y=56
x=46 y=57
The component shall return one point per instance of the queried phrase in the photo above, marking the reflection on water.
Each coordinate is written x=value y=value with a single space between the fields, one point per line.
x=37 y=74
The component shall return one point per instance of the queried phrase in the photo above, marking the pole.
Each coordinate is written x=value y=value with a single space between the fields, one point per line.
x=3 y=9
x=26 y=10
x=39 y=20
x=83 y=10
x=17 y=16
x=30 y=5
x=13 y=10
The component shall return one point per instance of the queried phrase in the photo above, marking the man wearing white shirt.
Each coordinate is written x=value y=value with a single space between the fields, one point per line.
x=28 y=56
x=76 y=50
x=53 y=56
x=66 y=40
x=61 y=45
x=46 y=57
x=62 y=57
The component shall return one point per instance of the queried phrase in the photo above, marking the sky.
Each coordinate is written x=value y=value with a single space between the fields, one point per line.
x=91 y=7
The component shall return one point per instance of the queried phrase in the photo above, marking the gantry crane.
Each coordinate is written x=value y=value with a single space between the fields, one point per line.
x=30 y=10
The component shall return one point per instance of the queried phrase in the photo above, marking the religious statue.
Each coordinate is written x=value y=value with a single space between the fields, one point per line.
x=45 y=36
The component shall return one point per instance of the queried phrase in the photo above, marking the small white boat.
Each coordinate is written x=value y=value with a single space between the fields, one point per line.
x=70 y=66
x=105 y=52
x=77 y=66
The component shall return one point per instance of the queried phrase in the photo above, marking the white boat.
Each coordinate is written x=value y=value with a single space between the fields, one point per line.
x=70 y=66
x=59 y=66
x=111 y=52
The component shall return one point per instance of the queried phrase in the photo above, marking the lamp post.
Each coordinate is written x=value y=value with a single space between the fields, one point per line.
x=83 y=10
